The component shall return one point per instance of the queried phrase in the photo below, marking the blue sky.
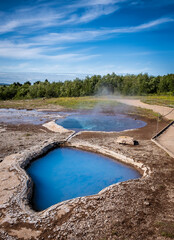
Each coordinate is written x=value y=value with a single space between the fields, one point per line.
x=63 y=39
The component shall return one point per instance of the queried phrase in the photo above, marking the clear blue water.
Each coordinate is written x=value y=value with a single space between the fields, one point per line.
x=99 y=122
x=66 y=173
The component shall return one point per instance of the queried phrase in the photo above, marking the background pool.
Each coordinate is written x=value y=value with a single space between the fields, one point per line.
x=99 y=122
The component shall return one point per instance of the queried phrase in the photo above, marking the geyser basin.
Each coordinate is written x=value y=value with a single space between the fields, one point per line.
x=99 y=122
x=66 y=173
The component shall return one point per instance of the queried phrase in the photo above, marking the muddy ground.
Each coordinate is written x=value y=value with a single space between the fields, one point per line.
x=136 y=209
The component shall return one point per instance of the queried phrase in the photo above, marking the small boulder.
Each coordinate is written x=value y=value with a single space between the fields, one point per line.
x=125 y=140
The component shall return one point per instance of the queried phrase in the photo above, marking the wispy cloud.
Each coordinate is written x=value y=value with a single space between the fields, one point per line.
x=25 y=51
x=94 y=13
x=88 y=35
x=144 y=26
x=31 y=20
x=83 y=3
x=44 y=16
x=49 y=46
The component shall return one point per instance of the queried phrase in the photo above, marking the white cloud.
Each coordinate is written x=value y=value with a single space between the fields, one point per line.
x=32 y=20
x=152 y=24
x=95 y=12
x=44 y=15
x=48 y=47
x=88 y=35
x=84 y=3
x=24 y=51
x=59 y=71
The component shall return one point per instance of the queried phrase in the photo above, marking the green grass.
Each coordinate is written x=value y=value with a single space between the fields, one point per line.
x=70 y=103
x=28 y=104
x=167 y=101
x=82 y=102
x=147 y=113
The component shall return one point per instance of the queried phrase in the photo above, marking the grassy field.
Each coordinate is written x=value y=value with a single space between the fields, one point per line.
x=82 y=102
x=70 y=103
x=167 y=101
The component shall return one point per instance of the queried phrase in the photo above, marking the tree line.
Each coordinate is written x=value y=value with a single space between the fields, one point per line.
x=130 y=84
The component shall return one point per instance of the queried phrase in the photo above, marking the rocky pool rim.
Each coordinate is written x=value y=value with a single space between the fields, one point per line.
x=115 y=160
x=27 y=196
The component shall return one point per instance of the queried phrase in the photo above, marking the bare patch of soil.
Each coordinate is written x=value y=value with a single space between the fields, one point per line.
x=17 y=138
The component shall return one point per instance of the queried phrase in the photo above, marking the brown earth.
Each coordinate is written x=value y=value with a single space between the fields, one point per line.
x=16 y=138
x=136 y=209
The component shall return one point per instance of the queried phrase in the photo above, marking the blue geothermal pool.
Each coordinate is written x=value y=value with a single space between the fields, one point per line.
x=66 y=173
x=99 y=122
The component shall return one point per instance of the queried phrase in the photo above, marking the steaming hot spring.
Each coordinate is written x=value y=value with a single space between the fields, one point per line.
x=99 y=122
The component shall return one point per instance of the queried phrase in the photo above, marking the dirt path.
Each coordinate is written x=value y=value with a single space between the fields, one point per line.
x=166 y=140
x=156 y=108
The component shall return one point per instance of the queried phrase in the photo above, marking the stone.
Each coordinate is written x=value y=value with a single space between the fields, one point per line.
x=125 y=140
x=52 y=126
